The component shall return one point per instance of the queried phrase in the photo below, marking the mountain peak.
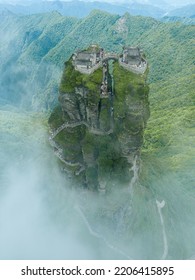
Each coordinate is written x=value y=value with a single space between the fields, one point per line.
x=97 y=12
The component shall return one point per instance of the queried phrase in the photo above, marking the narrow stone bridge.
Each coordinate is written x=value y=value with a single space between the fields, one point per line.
x=108 y=56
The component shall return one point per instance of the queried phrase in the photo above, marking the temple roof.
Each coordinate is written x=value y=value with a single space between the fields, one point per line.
x=132 y=51
x=83 y=56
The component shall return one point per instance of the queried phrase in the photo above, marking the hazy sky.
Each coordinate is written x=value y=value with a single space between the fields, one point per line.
x=171 y=2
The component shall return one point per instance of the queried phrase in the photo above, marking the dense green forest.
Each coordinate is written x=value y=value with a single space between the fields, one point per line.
x=38 y=45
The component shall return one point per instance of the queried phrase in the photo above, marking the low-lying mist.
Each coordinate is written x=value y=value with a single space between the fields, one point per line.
x=43 y=216
x=37 y=216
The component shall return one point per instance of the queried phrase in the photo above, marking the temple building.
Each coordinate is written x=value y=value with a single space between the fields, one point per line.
x=131 y=56
x=89 y=58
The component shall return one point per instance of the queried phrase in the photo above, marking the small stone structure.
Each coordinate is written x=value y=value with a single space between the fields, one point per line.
x=132 y=60
x=131 y=56
x=88 y=60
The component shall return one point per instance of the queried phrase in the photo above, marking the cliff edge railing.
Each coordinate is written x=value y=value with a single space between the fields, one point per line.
x=88 y=70
x=134 y=68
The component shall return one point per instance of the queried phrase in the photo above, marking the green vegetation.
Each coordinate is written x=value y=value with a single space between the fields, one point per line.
x=168 y=48
x=56 y=119
x=43 y=42
x=19 y=130
x=105 y=114
x=105 y=151
x=72 y=78
x=93 y=81
x=167 y=156
x=131 y=100
x=70 y=140
x=127 y=83
x=170 y=130
x=102 y=154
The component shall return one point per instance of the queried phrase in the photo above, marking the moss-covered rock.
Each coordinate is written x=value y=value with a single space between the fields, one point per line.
x=107 y=131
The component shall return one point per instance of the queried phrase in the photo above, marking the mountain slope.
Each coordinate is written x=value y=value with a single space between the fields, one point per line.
x=26 y=40
x=36 y=46
x=32 y=53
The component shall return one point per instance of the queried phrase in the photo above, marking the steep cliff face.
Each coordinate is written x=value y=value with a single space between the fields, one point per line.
x=97 y=130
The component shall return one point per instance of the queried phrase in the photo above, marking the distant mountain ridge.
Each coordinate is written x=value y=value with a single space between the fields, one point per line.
x=156 y=9
x=81 y=9
x=186 y=11
x=35 y=47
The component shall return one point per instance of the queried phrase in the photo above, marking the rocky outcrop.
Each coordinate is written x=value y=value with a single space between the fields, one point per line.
x=102 y=119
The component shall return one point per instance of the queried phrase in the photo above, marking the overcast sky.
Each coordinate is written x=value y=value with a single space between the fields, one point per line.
x=171 y=2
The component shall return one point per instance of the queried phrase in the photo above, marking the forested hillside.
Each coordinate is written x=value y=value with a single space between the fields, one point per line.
x=33 y=50
x=35 y=47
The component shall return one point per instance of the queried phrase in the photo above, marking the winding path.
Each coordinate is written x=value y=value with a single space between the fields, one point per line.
x=135 y=169
x=97 y=235
x=67 y=125
x=75 y=124
x=58 y=151
x=160 y=205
